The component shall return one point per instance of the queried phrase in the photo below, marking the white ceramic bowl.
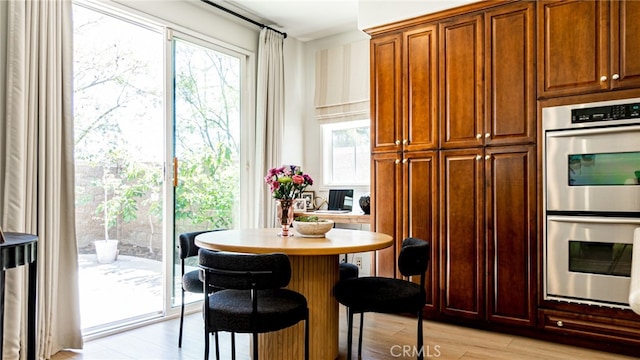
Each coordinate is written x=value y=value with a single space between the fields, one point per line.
x=312 y=228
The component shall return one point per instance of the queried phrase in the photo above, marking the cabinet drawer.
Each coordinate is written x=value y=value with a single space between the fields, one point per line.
x=589 y=326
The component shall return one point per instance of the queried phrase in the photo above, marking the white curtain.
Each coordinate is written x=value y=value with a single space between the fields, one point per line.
x=37 y=192
x=269 y=118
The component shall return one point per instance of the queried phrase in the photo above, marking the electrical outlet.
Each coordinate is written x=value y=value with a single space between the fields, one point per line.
x=358 y=261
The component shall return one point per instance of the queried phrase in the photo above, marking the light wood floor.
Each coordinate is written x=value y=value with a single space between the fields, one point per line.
x=383 y=334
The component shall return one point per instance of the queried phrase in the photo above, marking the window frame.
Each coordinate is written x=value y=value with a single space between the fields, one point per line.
x=327 y=153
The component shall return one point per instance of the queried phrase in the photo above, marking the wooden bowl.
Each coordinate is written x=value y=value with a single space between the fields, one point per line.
x=312 y=228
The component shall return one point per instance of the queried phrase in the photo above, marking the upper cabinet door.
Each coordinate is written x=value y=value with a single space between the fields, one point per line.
x=573 y=51
x=510 y=75
x=386 y=93
x=461 y=82
x=420 y=128
x=625 y=44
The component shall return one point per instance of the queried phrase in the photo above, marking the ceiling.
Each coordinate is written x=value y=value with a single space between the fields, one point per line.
x=308 y=20
x=303 y=19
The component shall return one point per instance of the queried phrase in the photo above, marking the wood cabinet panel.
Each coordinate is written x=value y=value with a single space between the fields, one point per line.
x=625 y=44
x=603 y=329
x=385 y=200
x=421 y=89
x=587 y=46
x=510 y=73
x=462 y=232
x=511 y=232
x=573 y=52
x=420 y=211
x=386 y=94
x=461 y=82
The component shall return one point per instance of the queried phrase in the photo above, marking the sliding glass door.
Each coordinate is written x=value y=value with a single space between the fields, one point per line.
x=207 y=96
x=157 y=153
x=118 y=95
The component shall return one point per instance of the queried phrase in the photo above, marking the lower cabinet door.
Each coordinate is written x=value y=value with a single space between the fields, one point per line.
x=510 y=176
x=462 y=233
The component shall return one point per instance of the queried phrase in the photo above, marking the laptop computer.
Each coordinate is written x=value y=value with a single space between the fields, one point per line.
x=340 y=201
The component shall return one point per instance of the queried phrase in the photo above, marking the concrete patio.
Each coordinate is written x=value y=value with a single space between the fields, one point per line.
x=129 y=287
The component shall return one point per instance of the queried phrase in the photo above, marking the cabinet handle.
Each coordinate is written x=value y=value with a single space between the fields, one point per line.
x=478 y=157
x=603 y=78
x=404 y=161
x=397 y=142
x=479 y=136
x=487 y=157
x=615 y=77
x=405 y=142
x=560 y=323
x=487 y=135
x=397 y=161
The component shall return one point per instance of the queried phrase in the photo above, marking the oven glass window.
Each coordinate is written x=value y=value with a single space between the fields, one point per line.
x=604 y=169
x=600 y=258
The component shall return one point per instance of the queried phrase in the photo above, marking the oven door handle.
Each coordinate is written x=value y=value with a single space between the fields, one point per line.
x=596 y=220
x=634 y=287
x=593 y=131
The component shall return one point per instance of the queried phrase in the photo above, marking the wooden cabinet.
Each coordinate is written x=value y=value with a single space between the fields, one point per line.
x=386 y=93
x=625 y=44
x=462 y=233
x=404 y=123
x=386 y=205
x=511 y=234
x=488 y=202
x=476 y=226
x=461 y=82
x=404 y=107
x=587 y=46
x=420 y=86
x=420 y=211
x=404 y=205
x=624 y=333
x=510 y=92
x=487 y=78
x=466 y=89
x=454 y=147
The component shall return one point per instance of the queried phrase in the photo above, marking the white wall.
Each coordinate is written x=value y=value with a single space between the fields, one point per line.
x=376 y=13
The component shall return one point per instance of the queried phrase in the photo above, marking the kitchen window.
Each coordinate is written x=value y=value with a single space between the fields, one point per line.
x=346 y=153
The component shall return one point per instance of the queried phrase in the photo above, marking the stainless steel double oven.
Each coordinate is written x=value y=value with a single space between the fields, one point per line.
x=591 y=184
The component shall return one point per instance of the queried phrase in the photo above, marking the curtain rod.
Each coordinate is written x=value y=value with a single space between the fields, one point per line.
x=243 y=17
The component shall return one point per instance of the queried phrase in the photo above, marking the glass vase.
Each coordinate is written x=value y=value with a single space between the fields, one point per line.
x=284 y=213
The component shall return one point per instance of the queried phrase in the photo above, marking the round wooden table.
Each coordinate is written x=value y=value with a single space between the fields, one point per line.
x=314 y=264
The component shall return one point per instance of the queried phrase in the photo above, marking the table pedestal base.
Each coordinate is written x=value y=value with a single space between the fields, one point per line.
x=314 y=277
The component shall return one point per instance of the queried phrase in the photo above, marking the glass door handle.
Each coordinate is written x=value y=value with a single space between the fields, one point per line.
x=175 y=171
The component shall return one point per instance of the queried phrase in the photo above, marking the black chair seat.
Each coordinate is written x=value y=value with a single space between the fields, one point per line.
x=231 y=310
x=382 y=295
x=191 y=282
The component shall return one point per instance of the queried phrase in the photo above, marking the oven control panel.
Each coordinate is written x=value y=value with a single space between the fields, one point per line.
x=605 y=113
